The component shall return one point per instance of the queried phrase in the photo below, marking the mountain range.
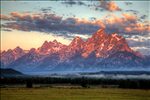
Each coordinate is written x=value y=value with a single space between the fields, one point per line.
x=100 y=52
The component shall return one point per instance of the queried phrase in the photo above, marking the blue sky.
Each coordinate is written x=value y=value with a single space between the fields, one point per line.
x=69 y=10
x=63 y=20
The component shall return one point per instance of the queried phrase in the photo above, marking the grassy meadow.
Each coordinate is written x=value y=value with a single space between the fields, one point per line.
x=73 y=94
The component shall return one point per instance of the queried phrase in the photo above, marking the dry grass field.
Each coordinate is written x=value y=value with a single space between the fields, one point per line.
x=73 y=94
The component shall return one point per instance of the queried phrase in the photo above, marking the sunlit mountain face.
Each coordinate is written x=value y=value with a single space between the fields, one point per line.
x=100 y=52
x=70 y=35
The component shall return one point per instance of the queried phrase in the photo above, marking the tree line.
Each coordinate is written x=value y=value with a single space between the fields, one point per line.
x=83 y=81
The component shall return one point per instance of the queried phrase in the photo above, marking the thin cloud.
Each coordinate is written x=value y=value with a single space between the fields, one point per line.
x=50 y=22
x=4 y=17
x=73 y=2
x=46 y=10
x=144 y=17
x=132 y=11
x=140 y=43
x=128 y=3
x=6 y=30
x=143 y=50
x=126 y=24
x=109 y=6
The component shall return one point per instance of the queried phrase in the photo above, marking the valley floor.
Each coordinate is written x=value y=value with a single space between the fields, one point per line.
x=73 y=94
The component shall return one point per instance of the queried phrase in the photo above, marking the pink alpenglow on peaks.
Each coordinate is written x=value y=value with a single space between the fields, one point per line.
x=101 y=50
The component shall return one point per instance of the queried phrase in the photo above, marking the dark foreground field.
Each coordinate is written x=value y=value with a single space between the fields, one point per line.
x=73 y=94
x=75 y=88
